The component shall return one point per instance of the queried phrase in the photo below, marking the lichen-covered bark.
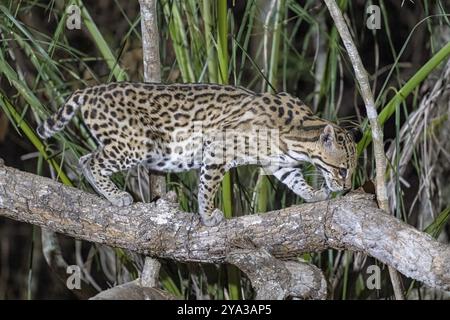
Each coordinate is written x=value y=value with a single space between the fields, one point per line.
x=162 y=230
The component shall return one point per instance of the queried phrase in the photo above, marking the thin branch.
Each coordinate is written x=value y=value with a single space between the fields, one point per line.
x=152 y=68
x=54 y=258
x=150 y=41
x=274 y=279
x=377 y=133
x=162 y=230
x=152 y=73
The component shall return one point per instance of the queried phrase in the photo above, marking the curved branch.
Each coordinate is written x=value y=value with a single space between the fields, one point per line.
x=133 y=291
x=162 y=230
x=274 y=279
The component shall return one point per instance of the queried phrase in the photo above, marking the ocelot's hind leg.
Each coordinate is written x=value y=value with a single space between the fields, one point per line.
x=97 y=167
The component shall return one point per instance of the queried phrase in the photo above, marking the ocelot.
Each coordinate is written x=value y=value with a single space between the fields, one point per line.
x=210 y=127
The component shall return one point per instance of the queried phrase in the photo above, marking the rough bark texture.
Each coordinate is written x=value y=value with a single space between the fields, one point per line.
x=150 y=41
x=161 y=230
x=377 y=133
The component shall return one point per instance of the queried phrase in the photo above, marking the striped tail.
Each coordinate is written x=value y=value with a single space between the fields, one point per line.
x=59 y=120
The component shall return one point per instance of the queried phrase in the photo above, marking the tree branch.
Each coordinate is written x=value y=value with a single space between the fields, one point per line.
x=150 y=41
x=55 y=260
x=274 y=279
x=377 y=133
x=152 y=73
x=133 y=291
x=162 y=230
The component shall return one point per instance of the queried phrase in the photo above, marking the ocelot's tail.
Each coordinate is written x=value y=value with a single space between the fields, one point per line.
x=59 y=120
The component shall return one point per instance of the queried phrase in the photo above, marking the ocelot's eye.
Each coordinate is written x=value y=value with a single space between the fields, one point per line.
x=343 y=172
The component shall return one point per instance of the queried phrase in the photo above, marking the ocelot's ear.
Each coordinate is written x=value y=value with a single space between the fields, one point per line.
x=356 y=134
x=327 y=136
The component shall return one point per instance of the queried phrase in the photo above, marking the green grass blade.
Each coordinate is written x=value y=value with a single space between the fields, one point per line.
x=102 y=45
x=210 y=53
x=436 y=227
x=404 y=92
x=30 y=134
x=234 y=277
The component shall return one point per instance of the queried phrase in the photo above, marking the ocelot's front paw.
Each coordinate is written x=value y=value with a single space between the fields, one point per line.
x=122 y=199
x=214 y=218
x=319 y=195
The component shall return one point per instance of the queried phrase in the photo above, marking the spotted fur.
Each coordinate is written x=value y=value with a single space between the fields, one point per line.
x=174 y=128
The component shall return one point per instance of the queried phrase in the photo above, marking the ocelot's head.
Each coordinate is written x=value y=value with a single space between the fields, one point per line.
x=337 y=156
